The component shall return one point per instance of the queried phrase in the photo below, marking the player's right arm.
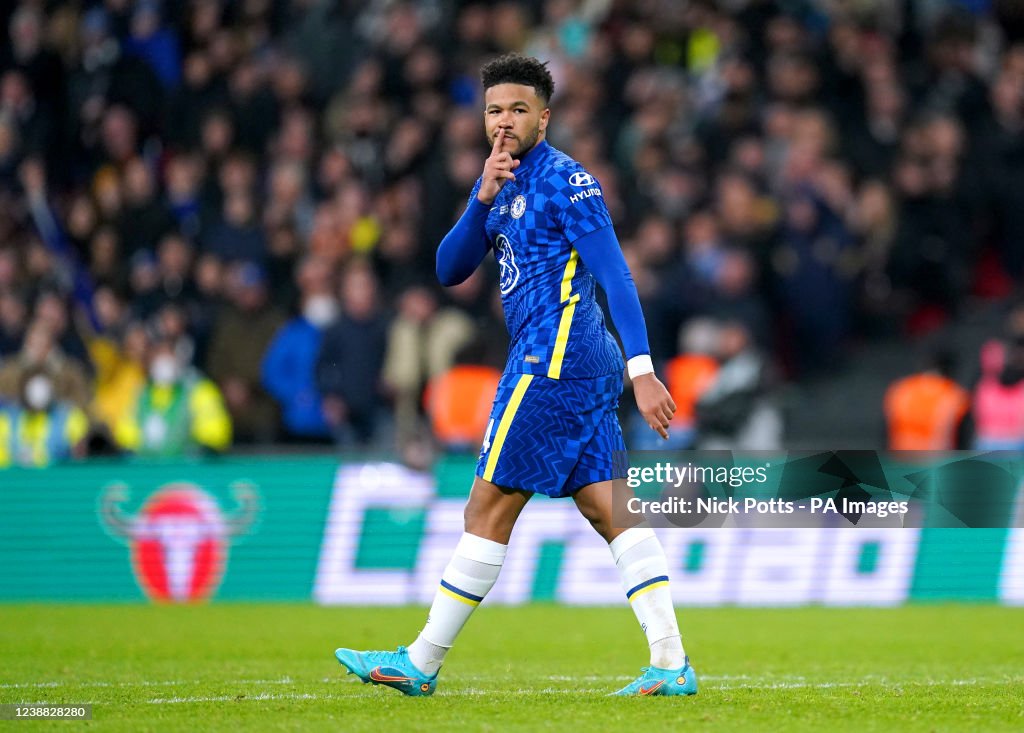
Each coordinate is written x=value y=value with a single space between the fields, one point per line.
x=465 y=246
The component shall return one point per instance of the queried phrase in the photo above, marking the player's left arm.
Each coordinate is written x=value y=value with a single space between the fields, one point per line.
x=601 y=252
x=577 y=203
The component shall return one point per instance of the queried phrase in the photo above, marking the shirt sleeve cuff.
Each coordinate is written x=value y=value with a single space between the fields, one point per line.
x=639 y=365
x=478 y=208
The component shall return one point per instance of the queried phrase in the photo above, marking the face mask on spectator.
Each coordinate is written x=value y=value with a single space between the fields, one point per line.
x=38 y=393
x=320 y=310
x=164 y=370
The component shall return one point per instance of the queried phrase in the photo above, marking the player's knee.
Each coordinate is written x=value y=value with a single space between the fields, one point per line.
x=601 y=526
x=591 y=516
x=590 y=511
x=596 y=519
x=491 y=525
x=470 y=516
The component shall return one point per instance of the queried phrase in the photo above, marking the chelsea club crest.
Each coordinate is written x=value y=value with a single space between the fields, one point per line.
x=518 y=206
x=508 y=270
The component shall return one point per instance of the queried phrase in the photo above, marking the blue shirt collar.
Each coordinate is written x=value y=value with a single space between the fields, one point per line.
x=537 y=152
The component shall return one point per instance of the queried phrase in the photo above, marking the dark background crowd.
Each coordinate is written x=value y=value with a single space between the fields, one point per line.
x=257 y=188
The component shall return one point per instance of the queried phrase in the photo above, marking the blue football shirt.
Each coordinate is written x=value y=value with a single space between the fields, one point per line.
x=556 y=326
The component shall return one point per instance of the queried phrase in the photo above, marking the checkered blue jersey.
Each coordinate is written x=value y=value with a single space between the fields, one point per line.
x=556 y=326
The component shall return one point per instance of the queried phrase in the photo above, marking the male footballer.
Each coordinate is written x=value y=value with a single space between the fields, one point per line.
x=553 y=427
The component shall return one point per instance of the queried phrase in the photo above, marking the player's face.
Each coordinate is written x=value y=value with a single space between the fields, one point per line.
x=517 y=110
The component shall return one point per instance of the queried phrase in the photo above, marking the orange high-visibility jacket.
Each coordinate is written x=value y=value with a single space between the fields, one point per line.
x=924 y=411
x=688 y=376
x=459 y=403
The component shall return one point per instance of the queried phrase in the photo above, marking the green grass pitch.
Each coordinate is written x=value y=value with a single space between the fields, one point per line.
x=271 y=667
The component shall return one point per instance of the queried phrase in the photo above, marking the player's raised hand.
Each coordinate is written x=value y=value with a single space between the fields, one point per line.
x=654 y=402
x=497 y=170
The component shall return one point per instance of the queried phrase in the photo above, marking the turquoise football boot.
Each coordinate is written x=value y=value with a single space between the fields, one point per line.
x=657 y=681
x=392 y=669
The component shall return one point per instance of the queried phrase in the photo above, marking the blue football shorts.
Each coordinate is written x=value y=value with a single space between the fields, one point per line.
x=553 y=436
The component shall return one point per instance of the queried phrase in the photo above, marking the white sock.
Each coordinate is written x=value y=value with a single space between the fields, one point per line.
x=641 y=562
x=469 y=576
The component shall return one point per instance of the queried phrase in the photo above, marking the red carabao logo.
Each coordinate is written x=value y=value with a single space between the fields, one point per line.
x=179 y=538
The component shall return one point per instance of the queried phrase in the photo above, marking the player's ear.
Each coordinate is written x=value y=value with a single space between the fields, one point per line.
x=544 y=117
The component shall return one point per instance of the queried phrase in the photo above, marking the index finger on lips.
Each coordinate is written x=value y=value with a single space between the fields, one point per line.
x=498 y=139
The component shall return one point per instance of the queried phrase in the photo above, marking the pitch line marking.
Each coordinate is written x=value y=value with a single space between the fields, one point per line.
x=145 y=683
x=235 y=698
x=472 y=692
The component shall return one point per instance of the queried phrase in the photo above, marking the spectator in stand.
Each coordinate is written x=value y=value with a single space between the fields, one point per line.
x=198 y=93
x=181 y=180
x=108 y=89
x=144 y=219
x=82 y=223
x=178 y=412
x=998 y=400
x=935 y=276
x=288 y=199
x=929 y=410
x=39 y=430
x=458 y=400
x=176 y=286
x=747 y=216
x=170 y=323
x=238 y=236
x=120 y=376
x=736 y=411
x=174 y=267
x=13 y=317
x=289 y=365
x=40 y=353
x=873 y=141
x=286 y=249
x=813 y=287
x=11 y=267
x=999 y=145
x=101 y=324
x=28 y=52
x=422 y=342
x=713 y=279
x=253 y=104
x=155 y=45
x=477 y=297
x=144 y=283
x=105 y=259
x=31 y=123
x=240 y=338
x=873 y=220
x=349 y=366
x=10 y=155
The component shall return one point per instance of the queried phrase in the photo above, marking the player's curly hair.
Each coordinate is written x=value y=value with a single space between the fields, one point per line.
x=514 y=68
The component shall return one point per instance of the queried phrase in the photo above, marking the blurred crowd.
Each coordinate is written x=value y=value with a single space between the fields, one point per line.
x=218 y=218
